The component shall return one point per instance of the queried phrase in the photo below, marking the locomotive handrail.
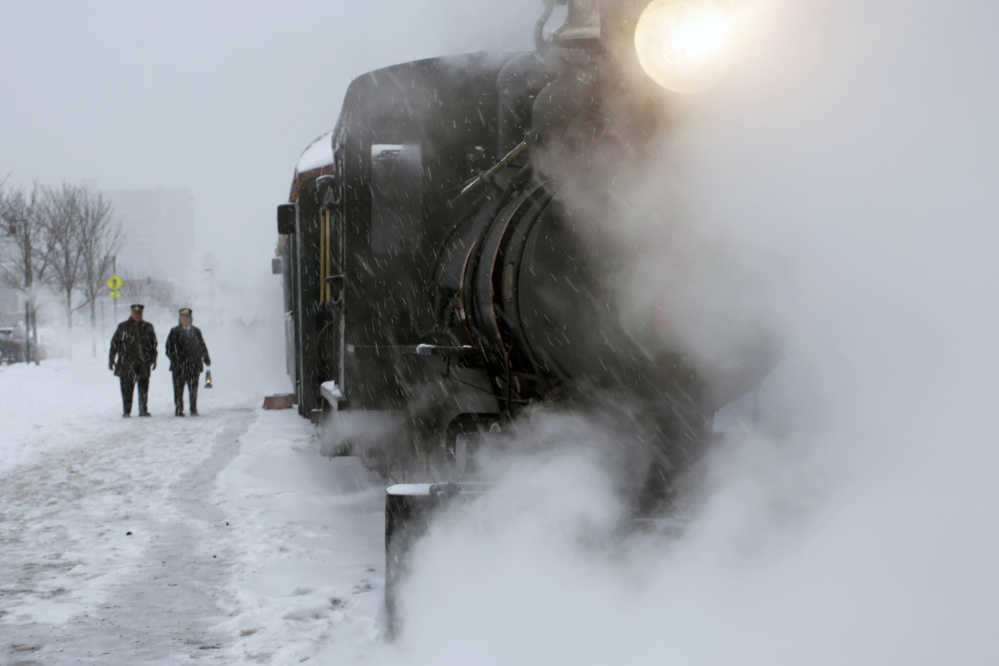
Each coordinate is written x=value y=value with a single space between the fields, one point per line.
x=487 y=176
x=418 y=350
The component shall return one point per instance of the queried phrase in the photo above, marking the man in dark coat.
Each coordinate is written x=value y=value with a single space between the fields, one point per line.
x=132 y=357
x=186 y=350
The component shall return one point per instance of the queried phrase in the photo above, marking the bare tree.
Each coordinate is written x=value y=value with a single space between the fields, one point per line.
x=25 y=251
x=99 y=238
x=63 y=219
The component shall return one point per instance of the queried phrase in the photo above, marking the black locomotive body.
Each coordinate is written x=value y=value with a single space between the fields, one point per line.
x=448 y=261
x=361 y=257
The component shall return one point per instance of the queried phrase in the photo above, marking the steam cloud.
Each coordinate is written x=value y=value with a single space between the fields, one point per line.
x=852 y=147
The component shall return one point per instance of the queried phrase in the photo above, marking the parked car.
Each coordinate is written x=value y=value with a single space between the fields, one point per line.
x=13 y=345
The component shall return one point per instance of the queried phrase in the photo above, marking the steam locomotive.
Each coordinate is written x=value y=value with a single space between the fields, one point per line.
x=452 y=255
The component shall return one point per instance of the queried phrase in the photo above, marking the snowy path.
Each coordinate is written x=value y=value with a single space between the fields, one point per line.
x=118 y=536
x=222 y=539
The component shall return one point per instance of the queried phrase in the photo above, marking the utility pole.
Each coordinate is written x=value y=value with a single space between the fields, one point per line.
x=27 y=331
x=114 y=271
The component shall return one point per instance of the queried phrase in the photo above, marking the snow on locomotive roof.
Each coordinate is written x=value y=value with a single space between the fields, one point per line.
x=316 y=156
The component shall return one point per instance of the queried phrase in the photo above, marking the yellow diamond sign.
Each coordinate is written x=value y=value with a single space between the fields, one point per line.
x=114 y=283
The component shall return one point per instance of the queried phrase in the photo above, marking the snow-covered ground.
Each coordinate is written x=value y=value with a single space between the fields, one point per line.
x=225 y=538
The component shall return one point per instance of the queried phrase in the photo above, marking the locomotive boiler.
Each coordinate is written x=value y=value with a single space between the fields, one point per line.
x=452 y=254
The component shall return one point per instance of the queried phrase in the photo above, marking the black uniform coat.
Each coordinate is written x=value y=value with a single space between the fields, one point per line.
x=186 y=351
x=133 y=348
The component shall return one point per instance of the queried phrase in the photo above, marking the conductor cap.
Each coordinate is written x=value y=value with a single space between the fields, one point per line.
x=185 y=312
x=137 y=307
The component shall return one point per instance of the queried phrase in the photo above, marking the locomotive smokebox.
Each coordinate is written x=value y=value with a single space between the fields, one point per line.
x=541 y=293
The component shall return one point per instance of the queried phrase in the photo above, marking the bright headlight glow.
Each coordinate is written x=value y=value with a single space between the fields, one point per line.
x=683 y=44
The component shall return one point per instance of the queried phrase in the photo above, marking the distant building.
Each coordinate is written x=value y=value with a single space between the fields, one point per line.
x=159 y=231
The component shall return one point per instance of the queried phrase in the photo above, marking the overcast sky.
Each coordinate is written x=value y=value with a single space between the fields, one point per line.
x=216 y=97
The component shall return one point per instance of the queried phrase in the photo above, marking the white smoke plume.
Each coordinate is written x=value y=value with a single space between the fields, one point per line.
x=853 y=144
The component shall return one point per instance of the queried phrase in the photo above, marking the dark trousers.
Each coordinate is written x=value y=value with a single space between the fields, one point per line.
x=179 y=380
x=128 y=381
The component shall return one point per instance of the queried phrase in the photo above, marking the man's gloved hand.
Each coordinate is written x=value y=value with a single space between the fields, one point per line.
x=110 y=365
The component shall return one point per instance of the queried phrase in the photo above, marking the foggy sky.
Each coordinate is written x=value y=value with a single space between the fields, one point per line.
x=216 y=97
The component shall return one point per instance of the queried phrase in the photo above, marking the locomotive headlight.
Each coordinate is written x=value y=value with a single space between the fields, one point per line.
x=683 y=45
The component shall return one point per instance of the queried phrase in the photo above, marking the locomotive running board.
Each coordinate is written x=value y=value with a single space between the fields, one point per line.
x=410 y=506
x=409 y=503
